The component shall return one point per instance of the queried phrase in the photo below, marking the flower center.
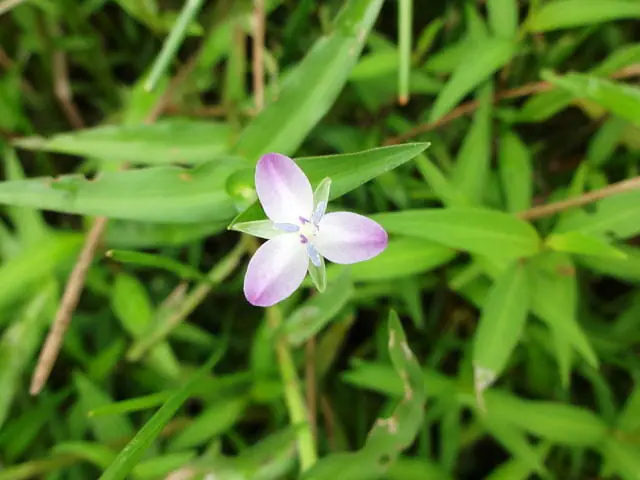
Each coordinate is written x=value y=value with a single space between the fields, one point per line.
x=308 y=230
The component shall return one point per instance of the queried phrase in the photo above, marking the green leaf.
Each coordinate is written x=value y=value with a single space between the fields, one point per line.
x=130 y=234
x=131 y=304
x=618 y=98
x=553 y=421
x=503 y=17
x=627 y=268
x=603 y=144
x=401 y=258
x=618 y=215
x=312 y=87
x=99 y=455
x=158 y=194
x=416 y=469
x=106 y=430
x=583 y=243
x=130 y=455
x=35 y=263
x=161 y=466
x=575 y=13
x=19 y=342
x=313 y=315
x=476 y=67
x=214 y=420
x=500 y=326
x=623 y=457
x=516 y=172
x=183 y=271
x=175 y=140
x=471 y=170
x=389 y=436
x=554 y=300
x=132 y=404
x=347 y=171
x=485 y=232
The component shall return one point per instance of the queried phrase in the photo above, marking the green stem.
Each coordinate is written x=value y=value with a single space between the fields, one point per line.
x=293 y=394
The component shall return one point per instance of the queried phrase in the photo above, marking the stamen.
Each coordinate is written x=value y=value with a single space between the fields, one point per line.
x=318 y=212
x=313 y=255
x=303 y=239
x=287 y=227
x=303 y=220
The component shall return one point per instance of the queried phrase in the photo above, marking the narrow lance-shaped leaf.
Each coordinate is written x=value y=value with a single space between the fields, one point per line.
x=500 y=325
x=472 y=165
x=476 y=67
x=486 y=232
x=389 y=436
x=516 y=172
x=618 y=98
x=188 y=142
x=346 y=171
x=311 y=89
x=561 y=14
x=159 y=194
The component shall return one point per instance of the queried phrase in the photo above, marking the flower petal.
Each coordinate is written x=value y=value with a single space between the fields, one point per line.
x=283 y=189
x=345 y=237
x=275 y=271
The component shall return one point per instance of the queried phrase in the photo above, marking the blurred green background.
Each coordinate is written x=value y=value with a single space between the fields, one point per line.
x=497 y=141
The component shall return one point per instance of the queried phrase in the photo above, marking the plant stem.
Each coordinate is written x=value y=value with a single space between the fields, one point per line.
x=293 y=393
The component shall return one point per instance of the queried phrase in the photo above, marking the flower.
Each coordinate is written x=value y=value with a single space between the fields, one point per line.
x=300 y=233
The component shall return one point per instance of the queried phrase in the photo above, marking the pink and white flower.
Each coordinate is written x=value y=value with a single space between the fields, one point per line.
x=300 y=233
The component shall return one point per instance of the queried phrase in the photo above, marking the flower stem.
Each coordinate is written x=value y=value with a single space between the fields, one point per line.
x=293 y=394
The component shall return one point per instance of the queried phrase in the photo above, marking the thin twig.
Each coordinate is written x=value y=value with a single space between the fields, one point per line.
x=518 y=92
x=329 y=420
x=62 y=87
x=69 y=301
x=590 y=197
x=258 y=53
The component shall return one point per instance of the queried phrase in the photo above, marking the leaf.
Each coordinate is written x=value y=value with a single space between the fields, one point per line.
x=627 y=268
x=618 y=215
x=603 y=144
x=401 y=258
x=485 y=232
x=35 y=263
x=312 y=87
x=19 y=342
x=346 y=171
x=408 y=468
x=516 y=172
x=183 y=271
x=99 y=455
x=575 y=13
x=553 y=421
x=471 y=170
x=184 y=141
x=389 y=436
x=132 y=404
x=130 y=234
x=106 y=430
x=161 y=466
x=476 y=66
x=618 y=98
x=131 y=454
x=158 y=194
x=214 y=420
x=503 y=17
x=500 y=326
x=554 y=300
x=623 y=457
x=313 y=315
x=583 y=243
x=131 y=304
